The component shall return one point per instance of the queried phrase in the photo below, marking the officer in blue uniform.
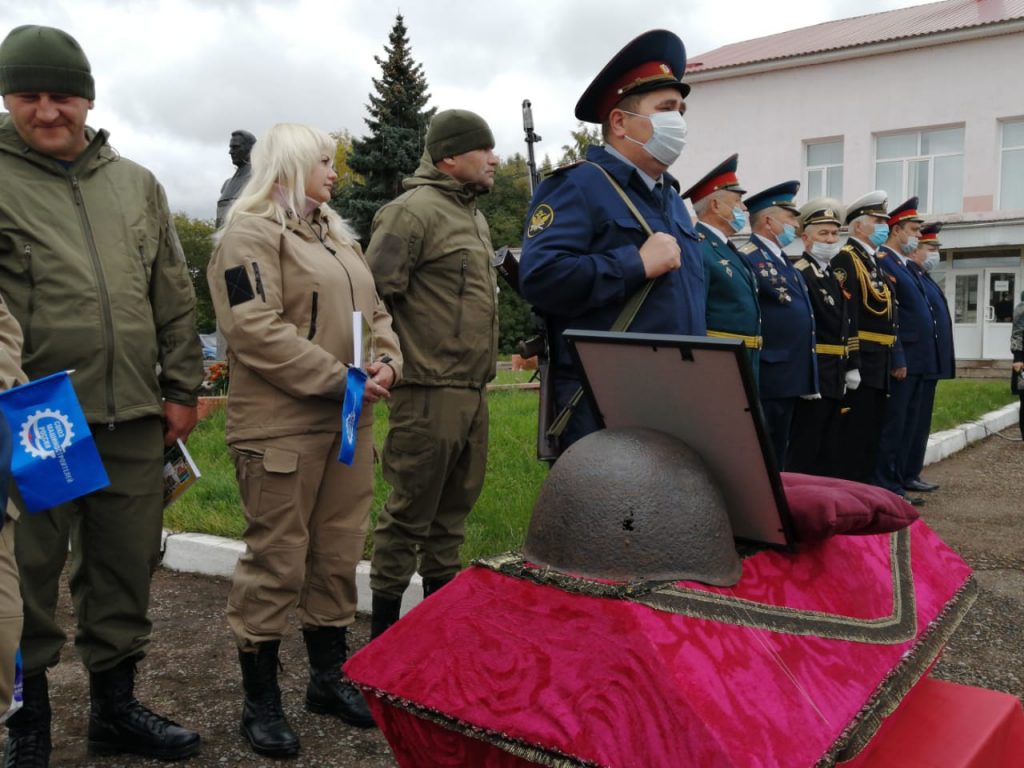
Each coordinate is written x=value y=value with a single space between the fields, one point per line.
x=732 y=308
x=872 y=333
x=815 y=439
x=922 y=261
x=915 y=353
x=789 y=368
x=599 y=230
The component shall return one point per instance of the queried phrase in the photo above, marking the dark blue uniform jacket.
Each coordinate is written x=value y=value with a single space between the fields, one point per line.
x=943 y=324
x=788 y=362
x=581 y=254
x=916 y=334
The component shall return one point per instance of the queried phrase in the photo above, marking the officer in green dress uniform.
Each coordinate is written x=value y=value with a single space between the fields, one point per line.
x=732 y=308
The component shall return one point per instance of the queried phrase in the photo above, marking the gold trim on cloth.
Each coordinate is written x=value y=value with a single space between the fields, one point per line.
x=750 y=342
x=547 y=757
x=897 y=684
x=830 y=349
x=884 y=339
x=898 y=627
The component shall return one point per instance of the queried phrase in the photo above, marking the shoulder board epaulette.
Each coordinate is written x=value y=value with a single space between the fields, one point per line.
x=802 y=263
x=563 y=168
x=748 y=248
x=880 y=254
x=848 y=247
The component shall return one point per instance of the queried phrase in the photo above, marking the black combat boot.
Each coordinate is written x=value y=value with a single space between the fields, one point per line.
x=386 y=610
x=263 y=720
x=328 y=692
x=430 y=586
x=28 y=730
x=119 y=723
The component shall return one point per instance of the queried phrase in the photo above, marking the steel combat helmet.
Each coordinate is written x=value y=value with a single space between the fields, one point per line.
x=633 y=504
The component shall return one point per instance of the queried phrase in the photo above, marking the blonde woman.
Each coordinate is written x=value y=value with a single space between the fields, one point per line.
x=286 y=277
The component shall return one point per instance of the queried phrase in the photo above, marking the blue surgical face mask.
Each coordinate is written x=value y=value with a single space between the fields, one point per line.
x=738 y=220
x=910 y=246
x=786 y=236
x=931 y=261
x=880 y=235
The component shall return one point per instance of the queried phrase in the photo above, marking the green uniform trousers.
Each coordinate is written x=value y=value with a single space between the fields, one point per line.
x=435 y=457
x=10 y=613
x=115 y=547
x=306 y=520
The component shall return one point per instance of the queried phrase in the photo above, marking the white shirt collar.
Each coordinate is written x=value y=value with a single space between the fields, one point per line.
x=772 y=246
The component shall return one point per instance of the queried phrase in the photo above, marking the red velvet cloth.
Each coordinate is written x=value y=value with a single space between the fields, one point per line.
x=945 y=724
x=827 y=506
x=618 y=683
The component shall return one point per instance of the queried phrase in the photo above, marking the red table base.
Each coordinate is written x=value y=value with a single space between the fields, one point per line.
x=948 y=725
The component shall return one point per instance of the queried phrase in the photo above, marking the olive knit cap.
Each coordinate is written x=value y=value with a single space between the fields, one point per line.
x=455 y=131
x=36 y=59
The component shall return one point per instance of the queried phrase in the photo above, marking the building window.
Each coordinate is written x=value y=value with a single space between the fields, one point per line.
x=824 y=161
x=929 y=164
x=1011 y=166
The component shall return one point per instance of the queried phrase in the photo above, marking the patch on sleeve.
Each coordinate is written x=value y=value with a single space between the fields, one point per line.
x=840 y=274
x=540 y=220
x=236 y=280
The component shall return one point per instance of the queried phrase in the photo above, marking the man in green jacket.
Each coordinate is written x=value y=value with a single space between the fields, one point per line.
x=92 y=270
x=431 y=257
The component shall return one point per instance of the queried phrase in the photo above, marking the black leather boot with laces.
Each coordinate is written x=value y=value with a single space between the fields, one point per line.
x=263 y=722
x=328 y=692
x=28 y=729
x=118 y=723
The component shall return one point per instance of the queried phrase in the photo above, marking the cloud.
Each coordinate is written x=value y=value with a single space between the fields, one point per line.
x=175 y=77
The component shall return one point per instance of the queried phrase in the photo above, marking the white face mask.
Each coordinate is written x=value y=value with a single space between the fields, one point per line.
x=668 y=137
x=931 y=261
x=824 y=251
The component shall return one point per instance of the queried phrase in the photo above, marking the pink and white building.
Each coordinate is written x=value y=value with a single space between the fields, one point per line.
x=925 y=101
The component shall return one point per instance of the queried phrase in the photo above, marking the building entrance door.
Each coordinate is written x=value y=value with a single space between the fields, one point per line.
x=1000 y=291
x=967 y=319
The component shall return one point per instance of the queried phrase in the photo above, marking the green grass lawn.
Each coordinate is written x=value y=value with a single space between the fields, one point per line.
x=498 y=522
x=960 y=400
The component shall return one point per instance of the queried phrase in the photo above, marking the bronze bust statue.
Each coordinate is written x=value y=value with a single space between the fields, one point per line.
x=239 y=148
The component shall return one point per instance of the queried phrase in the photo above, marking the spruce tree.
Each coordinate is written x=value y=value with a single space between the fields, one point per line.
x=398 y=126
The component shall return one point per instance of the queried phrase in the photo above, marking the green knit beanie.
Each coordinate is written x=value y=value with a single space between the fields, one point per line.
x=36 y=59
x=455 y=131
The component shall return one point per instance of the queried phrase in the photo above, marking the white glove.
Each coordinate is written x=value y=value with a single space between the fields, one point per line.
x=853 y=379
x=815 y=396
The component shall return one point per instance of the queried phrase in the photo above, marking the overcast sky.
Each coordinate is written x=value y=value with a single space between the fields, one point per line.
x=174 y=77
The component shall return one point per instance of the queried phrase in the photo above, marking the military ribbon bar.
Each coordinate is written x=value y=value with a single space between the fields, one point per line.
x=355 y=385
x=54 y=458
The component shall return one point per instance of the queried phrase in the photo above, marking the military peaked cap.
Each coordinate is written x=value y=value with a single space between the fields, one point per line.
x=780 y=196
x=872 y=204
x=930 y=233
x=905 y=212
x=822 y=210
x=655 y=59
x=723 y=176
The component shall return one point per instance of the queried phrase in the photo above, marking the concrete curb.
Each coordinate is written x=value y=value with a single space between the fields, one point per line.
x=944 y=444
x=216 y=556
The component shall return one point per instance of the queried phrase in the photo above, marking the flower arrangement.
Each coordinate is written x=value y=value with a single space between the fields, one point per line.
x=216 y=380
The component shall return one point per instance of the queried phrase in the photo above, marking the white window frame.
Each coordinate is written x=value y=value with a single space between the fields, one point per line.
x=826 y=169
x=1002 y=149
x=905 y=193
